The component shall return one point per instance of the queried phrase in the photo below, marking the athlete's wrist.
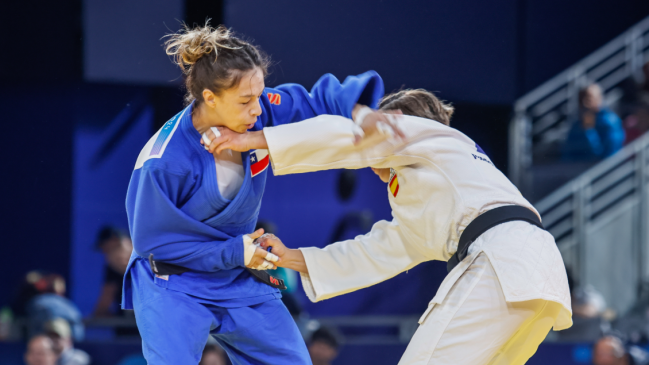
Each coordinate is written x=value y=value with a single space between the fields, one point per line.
x=294 y=260
x=256 y=140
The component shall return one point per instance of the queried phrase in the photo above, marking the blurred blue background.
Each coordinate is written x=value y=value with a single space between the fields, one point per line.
x=84 y=84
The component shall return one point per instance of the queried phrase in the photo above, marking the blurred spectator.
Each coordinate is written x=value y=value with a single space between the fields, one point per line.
x=59 y=331
x=587 y=302
x=34 y=283
x=597 y=134
x=117 y=247
x=40 y=351
x=637 y=123
x=634 y=324
x=610 y=350
x=323 y=347
x=6 y=323
x=589 y=314
x=49 y=302
x=213 y=354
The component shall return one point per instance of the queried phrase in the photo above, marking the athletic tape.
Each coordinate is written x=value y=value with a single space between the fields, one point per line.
x=206 y=139
x=361 y=114
x=271 y=257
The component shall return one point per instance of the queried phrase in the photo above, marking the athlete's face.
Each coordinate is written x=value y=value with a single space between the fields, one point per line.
x=40 y=352
x=117 y=252
x=383 y=174
x=238 y=107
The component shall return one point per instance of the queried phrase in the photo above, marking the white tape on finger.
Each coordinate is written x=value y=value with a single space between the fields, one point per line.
x=271 y=257
x=206 y=139
x=361 y=114
x=264 y=266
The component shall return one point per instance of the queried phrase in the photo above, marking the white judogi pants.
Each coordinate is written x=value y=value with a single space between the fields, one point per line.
x=475 y=325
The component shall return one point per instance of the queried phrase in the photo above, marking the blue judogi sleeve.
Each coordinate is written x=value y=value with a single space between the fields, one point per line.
x=290 y=103
x=158 y=226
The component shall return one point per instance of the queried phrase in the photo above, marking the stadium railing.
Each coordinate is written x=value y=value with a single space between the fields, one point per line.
x=599 y=221
x=542 y=117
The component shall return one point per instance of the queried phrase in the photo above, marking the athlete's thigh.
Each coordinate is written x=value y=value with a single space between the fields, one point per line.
x=173 y=326
x=426 y=341
x=261 y=334
x=472 y=323
x=526 y=340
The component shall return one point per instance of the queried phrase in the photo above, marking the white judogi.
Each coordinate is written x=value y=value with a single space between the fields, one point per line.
x=444 y=182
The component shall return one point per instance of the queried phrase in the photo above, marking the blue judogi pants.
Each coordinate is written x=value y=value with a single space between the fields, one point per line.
x=175 y=326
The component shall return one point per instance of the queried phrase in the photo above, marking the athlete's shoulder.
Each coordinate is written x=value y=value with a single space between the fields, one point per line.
x=167 y=149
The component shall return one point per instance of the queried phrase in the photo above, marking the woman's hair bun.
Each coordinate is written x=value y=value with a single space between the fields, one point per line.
x=189 y=45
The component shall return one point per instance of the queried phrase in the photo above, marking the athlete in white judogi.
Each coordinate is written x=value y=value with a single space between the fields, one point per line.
x=498 y=304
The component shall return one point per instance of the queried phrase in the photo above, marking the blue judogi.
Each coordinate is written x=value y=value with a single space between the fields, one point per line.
x=176 y=213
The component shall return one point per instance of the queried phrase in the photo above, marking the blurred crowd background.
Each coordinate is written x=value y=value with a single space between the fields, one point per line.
x=555 y=92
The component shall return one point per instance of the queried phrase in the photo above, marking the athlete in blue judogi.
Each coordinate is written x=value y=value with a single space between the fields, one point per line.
x=196 y=212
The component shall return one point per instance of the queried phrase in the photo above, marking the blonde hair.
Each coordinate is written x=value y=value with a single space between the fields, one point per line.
x=419 y=103
x=212 y=58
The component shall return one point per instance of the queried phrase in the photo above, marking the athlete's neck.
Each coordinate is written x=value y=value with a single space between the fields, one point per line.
x=203 y=118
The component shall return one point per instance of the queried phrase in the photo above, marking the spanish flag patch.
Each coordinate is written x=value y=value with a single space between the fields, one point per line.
x=394 y=183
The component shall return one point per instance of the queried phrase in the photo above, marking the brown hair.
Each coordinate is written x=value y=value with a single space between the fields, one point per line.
x=418 y=103
x=213 y=59
x=584 y=91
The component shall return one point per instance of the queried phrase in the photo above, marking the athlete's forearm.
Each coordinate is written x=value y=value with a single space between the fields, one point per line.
x=294 y=260
x=256 y=140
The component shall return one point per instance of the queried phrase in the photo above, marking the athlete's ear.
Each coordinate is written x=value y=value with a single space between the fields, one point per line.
x=209 y=98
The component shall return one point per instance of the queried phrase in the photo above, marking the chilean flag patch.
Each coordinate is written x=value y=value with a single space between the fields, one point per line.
x=259 y=160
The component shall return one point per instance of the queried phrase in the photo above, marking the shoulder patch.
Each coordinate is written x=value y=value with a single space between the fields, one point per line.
x=393 y=183
x=158 y=143
x=275 y=99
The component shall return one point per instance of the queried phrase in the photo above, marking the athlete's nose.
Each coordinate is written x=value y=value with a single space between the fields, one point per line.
x=255 y=111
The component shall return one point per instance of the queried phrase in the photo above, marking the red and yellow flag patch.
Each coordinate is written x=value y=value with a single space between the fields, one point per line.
x=394 y=183
x=275 y=98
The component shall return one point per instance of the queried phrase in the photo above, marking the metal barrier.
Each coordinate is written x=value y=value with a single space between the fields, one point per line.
x=599 y=221
x=542 y=117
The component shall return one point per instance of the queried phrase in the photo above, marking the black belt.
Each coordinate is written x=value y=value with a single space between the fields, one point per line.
x=161 y=268
x=486 y=221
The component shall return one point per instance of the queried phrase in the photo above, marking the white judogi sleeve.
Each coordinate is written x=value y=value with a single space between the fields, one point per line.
x=350 y=265
x=326 y=142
